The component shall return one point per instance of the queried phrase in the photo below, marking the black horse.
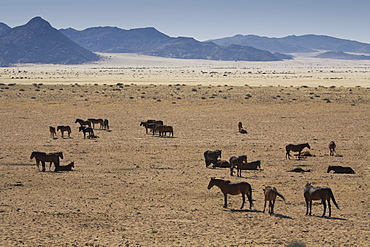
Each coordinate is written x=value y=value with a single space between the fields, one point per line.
x=211 y=157
x=341 y=169
x=85 y=130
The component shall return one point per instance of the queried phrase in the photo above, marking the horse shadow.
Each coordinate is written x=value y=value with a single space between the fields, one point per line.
x=283 y=216
x=329 y=218
x=243 y=210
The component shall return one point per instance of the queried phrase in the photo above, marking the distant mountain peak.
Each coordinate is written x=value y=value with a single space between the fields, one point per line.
x=38 y=22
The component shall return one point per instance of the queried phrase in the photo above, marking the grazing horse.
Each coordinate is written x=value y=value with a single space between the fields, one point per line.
x=64 y=128
x=227 y=187
x=53 y=133
x=211 y=157
x=83 y=122
x=332 y=147
x=67 y=167
x=44 y=157
x=96 y=121
x=270 y=196
x=295 y=148
x=85 y=130
x=237 y=162
x=106 y=124
x=163 y=129
x=341 y=169
x=318 y=193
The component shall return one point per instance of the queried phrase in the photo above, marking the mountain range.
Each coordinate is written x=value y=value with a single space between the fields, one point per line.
x=38 y=42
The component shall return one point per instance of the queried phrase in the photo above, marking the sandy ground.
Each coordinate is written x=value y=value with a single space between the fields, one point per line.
x=135 y=189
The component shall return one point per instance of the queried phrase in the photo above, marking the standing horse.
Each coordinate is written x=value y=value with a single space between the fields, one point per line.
x=44 y=157
x=106 y=124
x=332 y=147
x=83 y=122
x=211 y=157
x=227 y=187
x=270 y=195
x=86 y=130
x=96 y=121
x=237 y=162
x=53 y=133
x=318 y=193
x=64 y=128
x=295 y=148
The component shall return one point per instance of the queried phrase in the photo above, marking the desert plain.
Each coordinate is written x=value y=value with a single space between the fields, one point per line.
x=129 y=188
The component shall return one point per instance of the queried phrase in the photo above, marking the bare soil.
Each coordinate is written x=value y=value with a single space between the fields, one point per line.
x=130 y=188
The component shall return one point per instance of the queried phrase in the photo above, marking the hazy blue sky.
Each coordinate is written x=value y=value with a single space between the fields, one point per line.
x=202 y=19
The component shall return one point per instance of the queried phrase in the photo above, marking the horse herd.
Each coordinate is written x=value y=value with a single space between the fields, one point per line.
x=86 y=127
x=53 y=158
x=311 y=193
x=157 y=126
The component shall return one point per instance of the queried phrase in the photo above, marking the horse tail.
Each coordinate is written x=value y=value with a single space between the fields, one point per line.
x=333 y=199
x=277 y=193
x=249 y=195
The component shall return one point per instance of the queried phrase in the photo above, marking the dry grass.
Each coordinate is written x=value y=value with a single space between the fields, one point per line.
x=133 y=189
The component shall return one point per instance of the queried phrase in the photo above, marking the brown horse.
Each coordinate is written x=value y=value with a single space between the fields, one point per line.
x=53 y=133
x=44 y=157
x=332 y=147
x=96 y=121
x=295 y=148
x=106 y=124
x=318 y=193
x=227 y=187
x=270 y=195
x=67 y=167
x=64 y=128
x=241 y=129
x=163 y=129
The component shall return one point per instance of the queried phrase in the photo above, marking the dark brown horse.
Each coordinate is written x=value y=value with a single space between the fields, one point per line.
x=163 y=129
x=270 y=196
x=44 y=157
x=211 y=157
x=53 y=133
x=106 y=124
x=341 y=169
x=96 y=121
x=83 y=122
x=63 y=129
x=237 y=162
x=85 y=130
x=318 y=193
x=332 y=147
x=227 y=187
x=295 y=148
x=67 y=167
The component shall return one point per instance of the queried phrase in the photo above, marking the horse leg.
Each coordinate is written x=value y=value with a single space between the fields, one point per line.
x=329 y=206
x=272 y=204
x=324 y=203
x=43 y=166
x=56 y=164
x=243 y=197
x=225 y=200
x=231 y=170
x=307 y=206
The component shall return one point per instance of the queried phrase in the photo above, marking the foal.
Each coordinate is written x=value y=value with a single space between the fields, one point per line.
x=270 y=195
